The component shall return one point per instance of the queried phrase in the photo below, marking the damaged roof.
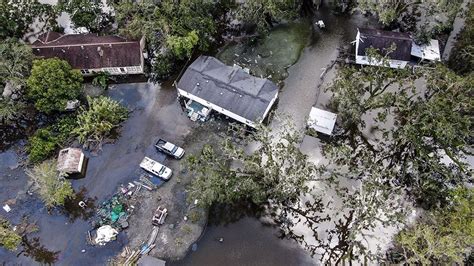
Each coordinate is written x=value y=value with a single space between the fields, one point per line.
x=228 y=87
x=70 y=160
x=88 y=51
x=383 y=40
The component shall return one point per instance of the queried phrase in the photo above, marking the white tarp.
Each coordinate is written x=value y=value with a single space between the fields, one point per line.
x=321 y=120
x=105 y=234
x=427 y=51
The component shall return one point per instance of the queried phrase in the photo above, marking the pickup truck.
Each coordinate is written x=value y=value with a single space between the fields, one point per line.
x=169 y=148
x=156 y=168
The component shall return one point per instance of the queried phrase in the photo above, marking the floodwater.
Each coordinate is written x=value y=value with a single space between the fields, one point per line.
x=248 y=242
x=62 y=238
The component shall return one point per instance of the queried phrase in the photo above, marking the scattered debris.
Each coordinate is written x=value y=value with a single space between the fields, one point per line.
x=105 y=234
x=159 y=216
x=7 y=208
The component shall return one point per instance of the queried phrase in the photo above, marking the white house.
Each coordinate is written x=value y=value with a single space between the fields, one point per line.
x=91 y=53
x=228 y=90
x=383 y=40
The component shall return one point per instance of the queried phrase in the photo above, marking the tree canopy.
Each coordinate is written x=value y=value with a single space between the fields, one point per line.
x=52 y=83
x=17 y=16
x=98 y=121
x=52 y=188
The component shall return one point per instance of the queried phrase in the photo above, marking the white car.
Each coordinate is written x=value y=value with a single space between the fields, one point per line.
x=169 y=148
x=156 y=168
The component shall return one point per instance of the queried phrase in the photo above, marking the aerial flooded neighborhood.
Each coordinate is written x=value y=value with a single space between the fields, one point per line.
x=236 y=132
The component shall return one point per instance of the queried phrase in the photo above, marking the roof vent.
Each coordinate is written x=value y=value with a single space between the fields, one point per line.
x=100 y=51
x=197 y=84
x=82 y=47
x=240 y=95
x=63 y=50
x=222 y=93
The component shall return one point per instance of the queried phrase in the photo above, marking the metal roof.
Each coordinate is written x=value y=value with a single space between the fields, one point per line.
x=88 y=51
x=382 y=40
x=228 y=87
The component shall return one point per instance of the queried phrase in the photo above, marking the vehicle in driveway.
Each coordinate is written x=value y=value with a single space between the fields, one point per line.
x=169 y=148
x=156 y=168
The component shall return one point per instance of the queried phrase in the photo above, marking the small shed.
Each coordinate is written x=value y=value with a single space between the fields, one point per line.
x=321 y=120
x=71 y=161
x=429 y=51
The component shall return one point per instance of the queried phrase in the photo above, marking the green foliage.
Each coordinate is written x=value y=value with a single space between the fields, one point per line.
x=15 y=61
x=101 y=80
x=84 y=13
x=16 y=17
x=96 y=123
x=47 y=140
x=9 y=239
x=264 y=12
x=9 y=111
x=461 y=59
x=426 y=126
x=172 y=28
x=53 y=190
x=182 y=47
x=52 y=83
x=444 y=236
x=277 y=171
x=387 y=11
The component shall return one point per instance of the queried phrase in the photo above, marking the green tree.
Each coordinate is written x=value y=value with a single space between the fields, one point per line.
x=461 y=58
x=52 y=83
x=413 y=129
x=17 y=16
x=264 y=13
x=9 y=238
x=47 y=140
x=84 y=13
x=173 y=28
x=52 y=188
x=444 y=236
x=98 y=121
x=15 y=61
x=276 y=172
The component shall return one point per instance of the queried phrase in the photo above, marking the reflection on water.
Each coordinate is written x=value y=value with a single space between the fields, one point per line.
x=74 y=211
x=32 y=248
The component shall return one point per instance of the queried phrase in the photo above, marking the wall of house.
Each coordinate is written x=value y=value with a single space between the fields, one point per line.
x=129 y=70
x=269 y=106
x=216 y=108
x=364 y=60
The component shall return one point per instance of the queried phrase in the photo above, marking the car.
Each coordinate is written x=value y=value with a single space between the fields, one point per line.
x=169 y=148
x=156 y=168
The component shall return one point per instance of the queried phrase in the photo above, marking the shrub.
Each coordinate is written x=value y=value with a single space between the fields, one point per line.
x=53 y=190
x=9 y=239
x=47 y=140
x=96 y=123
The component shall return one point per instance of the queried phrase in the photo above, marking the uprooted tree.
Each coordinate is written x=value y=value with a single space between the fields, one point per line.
x=267 y=170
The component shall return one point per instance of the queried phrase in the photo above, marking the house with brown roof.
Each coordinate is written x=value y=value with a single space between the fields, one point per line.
x=91 y=53
x=383 y=41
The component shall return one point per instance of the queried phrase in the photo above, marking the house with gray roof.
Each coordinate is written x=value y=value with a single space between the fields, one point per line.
x=383 y=40
x=228 y=90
